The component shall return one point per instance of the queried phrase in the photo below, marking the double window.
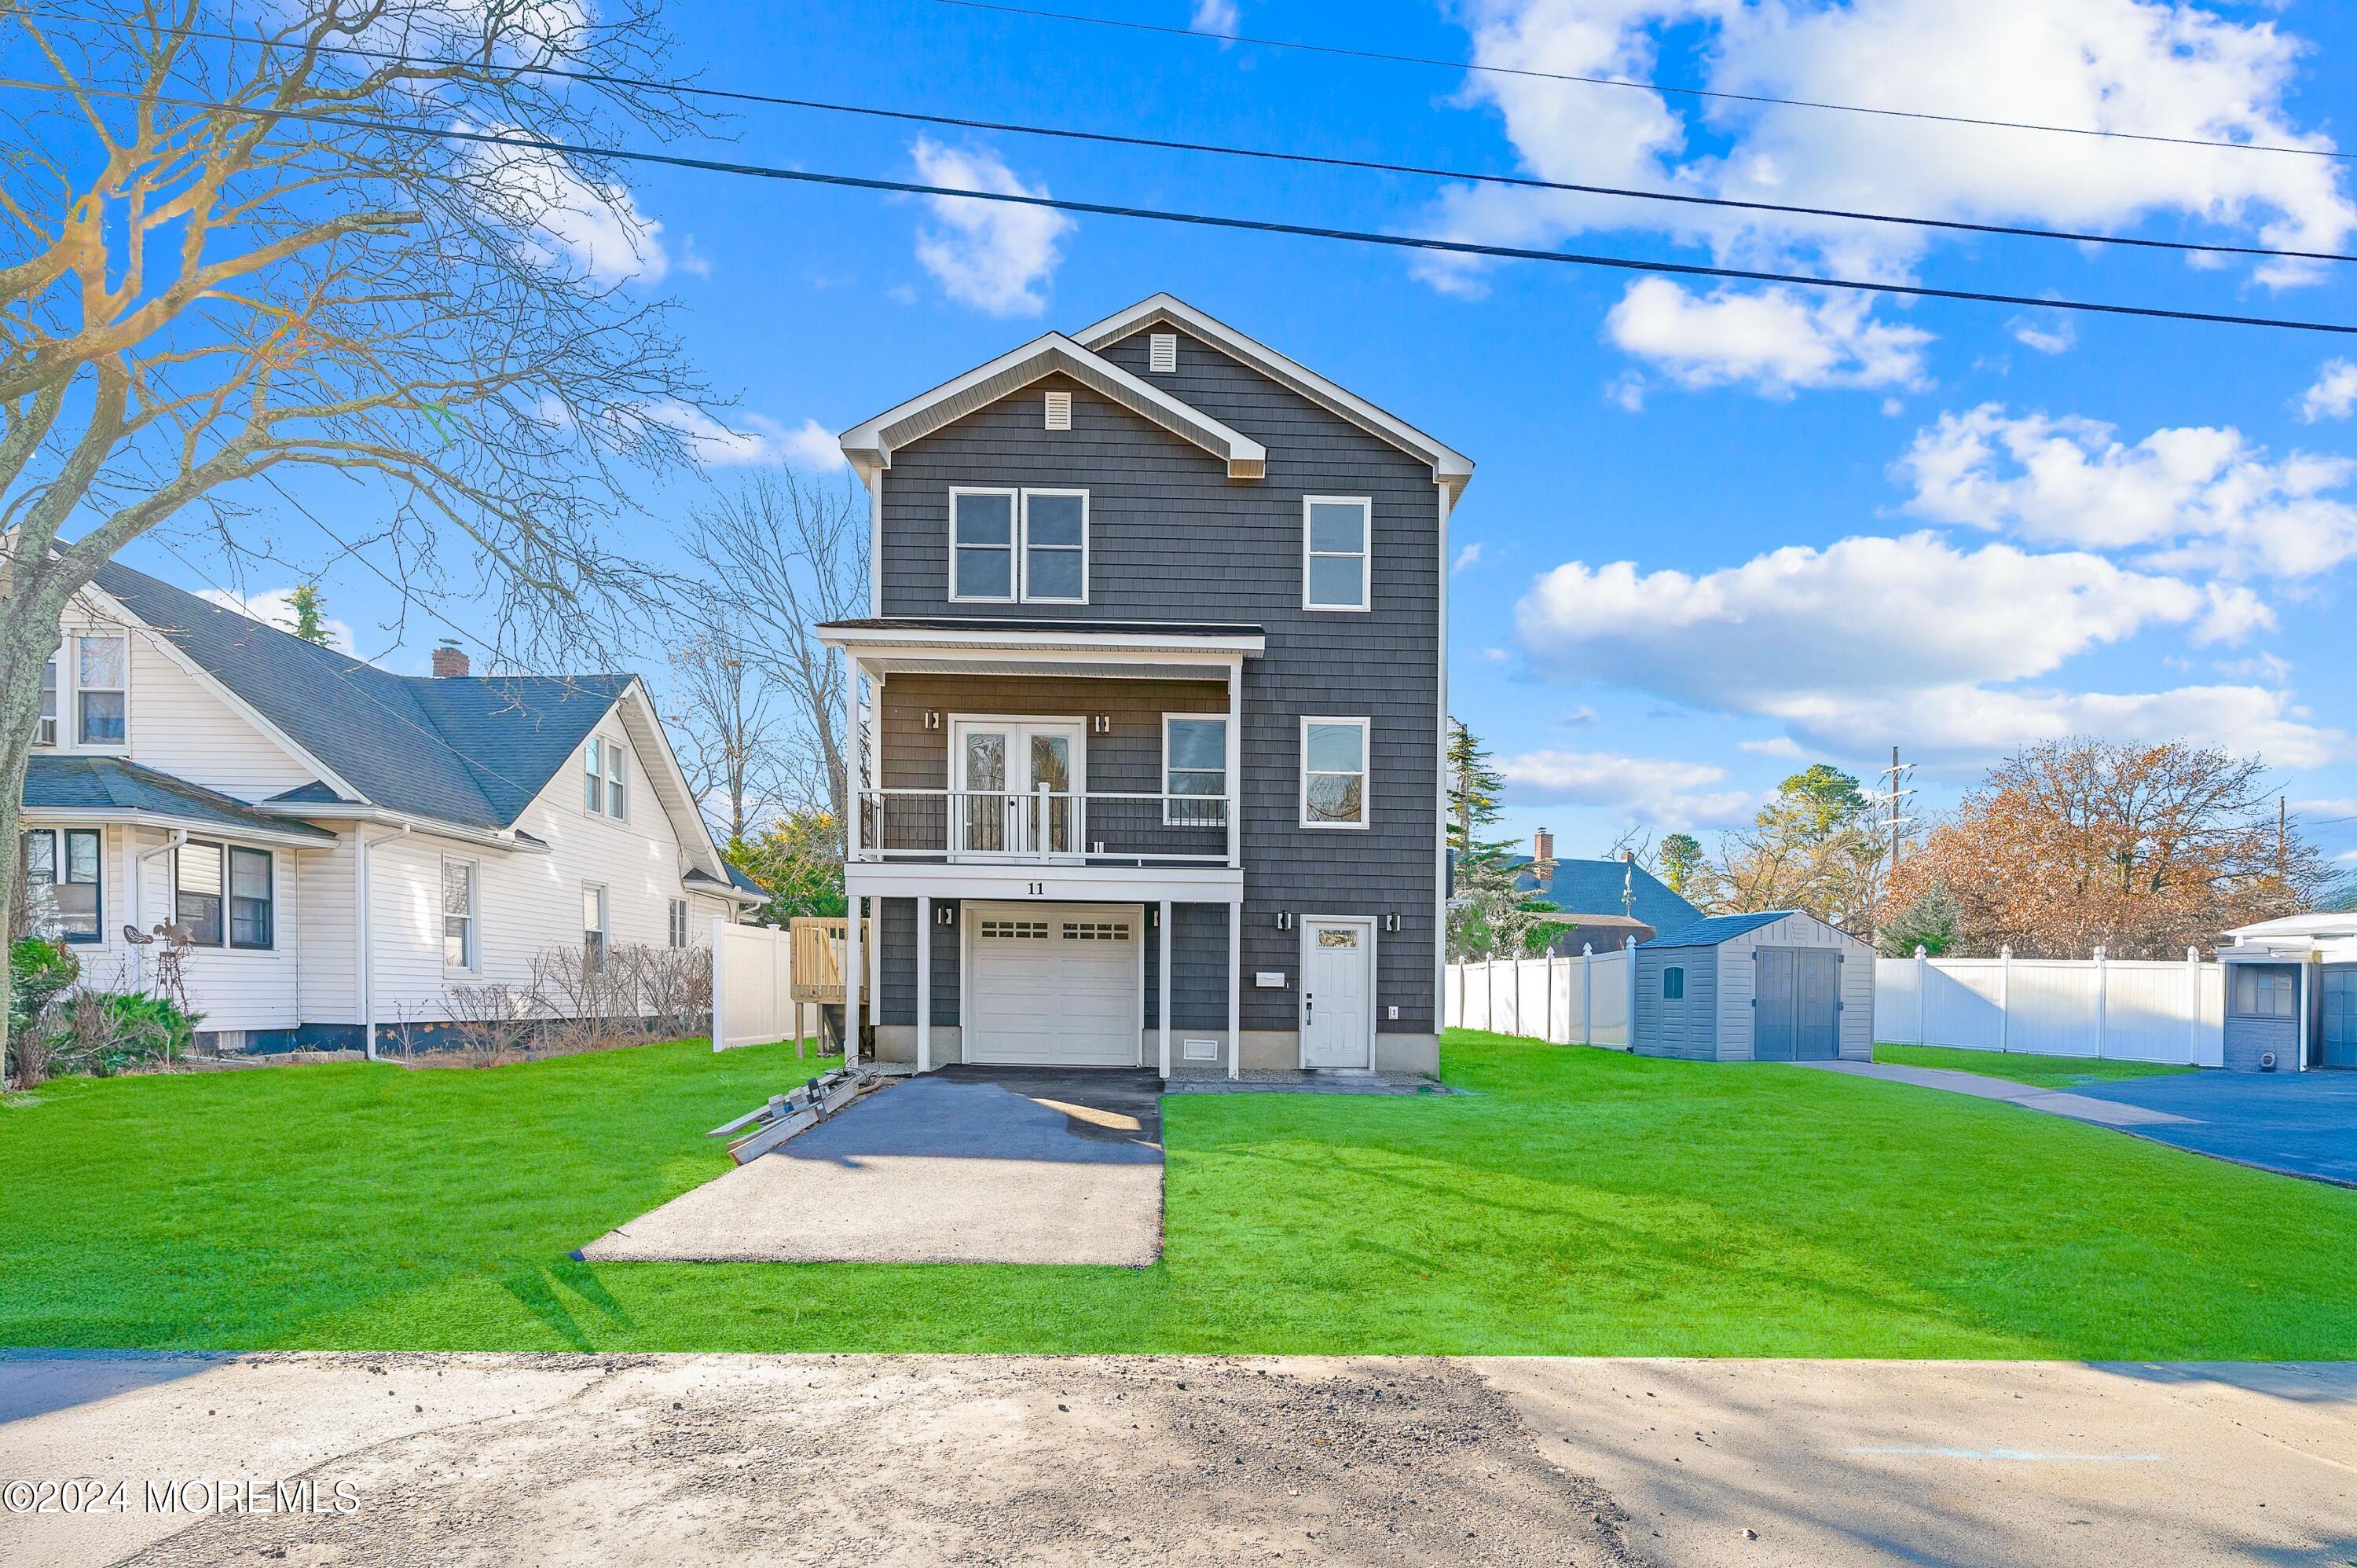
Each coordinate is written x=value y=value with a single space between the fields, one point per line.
x=101 y=688
x=1030 y=546
x=62 y=882
x=2265 y=991
x=1194 y=763
x=224 y=897
x=1333 y=773
x=1336 y=552
x=605 y=778
x=459 y=949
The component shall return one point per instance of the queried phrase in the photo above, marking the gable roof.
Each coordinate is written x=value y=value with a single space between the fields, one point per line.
x=870 y=445
x=1593 y=888
x=1449 y=466
x=57 y=784
x=469 y=751
x=1713 y=929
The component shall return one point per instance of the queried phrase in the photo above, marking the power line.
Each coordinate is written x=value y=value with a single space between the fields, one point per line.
x=1644 y=86
x=1214 y=220
x=1525 y=182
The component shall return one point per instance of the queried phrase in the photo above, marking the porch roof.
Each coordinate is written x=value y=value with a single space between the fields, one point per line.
x=111 y=788
x=1113 y=649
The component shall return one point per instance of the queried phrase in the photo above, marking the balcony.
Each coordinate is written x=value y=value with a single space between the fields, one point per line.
x=1045 y=828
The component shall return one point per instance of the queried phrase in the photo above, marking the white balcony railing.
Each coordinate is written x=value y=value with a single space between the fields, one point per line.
x=1046 y=827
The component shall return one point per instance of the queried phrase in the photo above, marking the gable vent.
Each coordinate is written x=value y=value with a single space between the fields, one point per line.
x=1060 y=410
x=1162 y=353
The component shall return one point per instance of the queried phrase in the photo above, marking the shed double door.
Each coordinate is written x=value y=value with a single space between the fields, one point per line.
x=1796 y=1003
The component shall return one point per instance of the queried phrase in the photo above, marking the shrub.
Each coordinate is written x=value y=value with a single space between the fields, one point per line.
x=39 y=971
x=106 y=1032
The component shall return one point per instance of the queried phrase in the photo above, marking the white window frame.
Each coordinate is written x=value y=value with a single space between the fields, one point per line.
x=1366 y=771
x=220 y=849
x=474 y=916
x=1023 y=536
x=53 y=691
x=618 y=779
x=1014 y=545
x=72 y=646
x=679 y=919
x=593 y=776
x=60 y=852
x=1366 y=555
x=604 y=925
x=1226 y=780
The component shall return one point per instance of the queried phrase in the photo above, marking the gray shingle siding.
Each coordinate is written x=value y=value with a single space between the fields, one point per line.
x=1172 y=538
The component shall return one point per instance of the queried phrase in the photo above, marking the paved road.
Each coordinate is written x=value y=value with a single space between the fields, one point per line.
x=695 y=1460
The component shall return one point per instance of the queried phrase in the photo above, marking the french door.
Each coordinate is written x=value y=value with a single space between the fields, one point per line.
x=1018 y=785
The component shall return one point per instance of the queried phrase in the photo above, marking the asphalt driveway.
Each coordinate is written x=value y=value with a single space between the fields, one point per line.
x=2300 y=1123
x=964 y=1165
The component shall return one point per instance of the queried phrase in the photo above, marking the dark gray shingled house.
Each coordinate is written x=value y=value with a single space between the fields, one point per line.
x=1147 y=711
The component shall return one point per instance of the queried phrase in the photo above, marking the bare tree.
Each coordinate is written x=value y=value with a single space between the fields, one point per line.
x=781 y=555
x=238 y=253
x=729 y=721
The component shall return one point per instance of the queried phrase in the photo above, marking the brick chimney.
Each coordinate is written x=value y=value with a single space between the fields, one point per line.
x=449 y=660
x=1628 y=855
x=1543 y=845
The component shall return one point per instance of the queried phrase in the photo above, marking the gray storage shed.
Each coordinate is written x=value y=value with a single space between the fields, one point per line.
x=1779 y=986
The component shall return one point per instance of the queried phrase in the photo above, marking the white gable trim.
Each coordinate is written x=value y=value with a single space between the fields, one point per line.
x=172 y=651
x=870 y=445
x=1450 y=467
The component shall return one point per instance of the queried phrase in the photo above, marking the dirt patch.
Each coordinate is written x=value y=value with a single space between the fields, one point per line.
x=711 y=1459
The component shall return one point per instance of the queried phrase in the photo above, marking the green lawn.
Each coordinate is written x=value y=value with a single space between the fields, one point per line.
x=1576 y=1201
x=2021 y=1067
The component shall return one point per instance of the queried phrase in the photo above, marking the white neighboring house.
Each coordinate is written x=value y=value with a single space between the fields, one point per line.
x=346 y=844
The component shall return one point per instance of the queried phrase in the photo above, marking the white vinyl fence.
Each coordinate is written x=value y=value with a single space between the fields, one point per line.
x=1582 y=1001
x=2137 y=1010
x=752 y=986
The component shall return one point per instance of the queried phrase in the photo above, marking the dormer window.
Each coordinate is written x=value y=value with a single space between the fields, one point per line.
x=102 y=689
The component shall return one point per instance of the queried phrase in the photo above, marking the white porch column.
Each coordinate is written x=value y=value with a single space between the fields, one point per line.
x=924 y=982
x=1235 y=754
x=1162 y=987
x=854 y=973
x=853 y=741
x=1235 y=990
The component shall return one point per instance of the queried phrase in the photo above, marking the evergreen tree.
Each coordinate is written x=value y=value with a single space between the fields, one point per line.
x=309 y=603
x=1681 y=864
x=1933 y=921
x=1474 y=786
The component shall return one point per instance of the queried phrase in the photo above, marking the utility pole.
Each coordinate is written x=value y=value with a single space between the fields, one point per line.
x=2283 y=837
x=1896 y=773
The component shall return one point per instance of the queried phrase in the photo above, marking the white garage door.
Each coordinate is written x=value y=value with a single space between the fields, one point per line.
x=1054 y=984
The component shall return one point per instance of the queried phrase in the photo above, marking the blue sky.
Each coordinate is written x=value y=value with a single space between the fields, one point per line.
x=1714 y=534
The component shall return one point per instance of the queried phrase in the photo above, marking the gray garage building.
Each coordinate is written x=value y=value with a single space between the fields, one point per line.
x=1779 y=985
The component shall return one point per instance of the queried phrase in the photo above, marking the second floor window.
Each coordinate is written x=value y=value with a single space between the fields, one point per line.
x=1335 y=552
x=1194 y=762
x=1026 y=545
x=47 y=734
x=604 y=787
x=102 y=689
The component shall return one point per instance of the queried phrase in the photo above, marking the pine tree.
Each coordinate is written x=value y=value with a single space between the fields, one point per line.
x=309 y=603
x=1681 y=864
x=1474 y=786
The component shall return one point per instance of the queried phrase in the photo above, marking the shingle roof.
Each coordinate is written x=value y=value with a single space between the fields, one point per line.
x=109 y=783
x=1593 y=888
x=1717 y=929
x=472 y=750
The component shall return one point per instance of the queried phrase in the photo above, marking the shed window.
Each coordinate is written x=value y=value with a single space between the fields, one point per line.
x=2264 y=991
x=1674 y=984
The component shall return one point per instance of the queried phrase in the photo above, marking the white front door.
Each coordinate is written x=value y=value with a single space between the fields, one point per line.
x=1018 y=784
x=1054 y=984
x=1338 y=992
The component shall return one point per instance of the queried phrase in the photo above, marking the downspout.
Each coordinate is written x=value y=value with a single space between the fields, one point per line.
x=367 y=947
x=138 y=902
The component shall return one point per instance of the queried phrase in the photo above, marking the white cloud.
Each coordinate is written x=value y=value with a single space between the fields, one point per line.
x=595 y=232
x=2337 y=807
x=1774 y=746
x=1468 y=557
x=2334 y=395
x=993 y=255
x=1214 y=16
x=2048 y=338
x=2198 y=497
x=1872 y=640
x=1657 y=789
x=275 y=606
x=747 y=440
x=1772 y=340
